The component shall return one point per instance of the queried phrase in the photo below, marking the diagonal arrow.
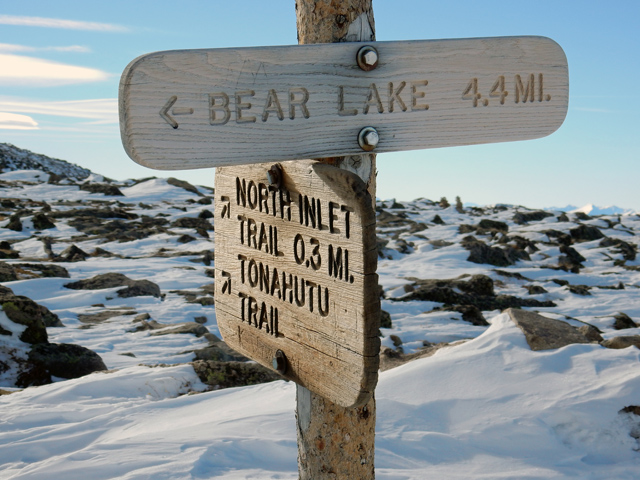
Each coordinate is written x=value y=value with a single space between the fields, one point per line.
x=164 y=112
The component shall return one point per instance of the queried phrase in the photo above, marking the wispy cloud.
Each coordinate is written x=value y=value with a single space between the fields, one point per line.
x=101 y=111
x=15 y=121
x=60 y=23
x=28 y=71
x=12 y=48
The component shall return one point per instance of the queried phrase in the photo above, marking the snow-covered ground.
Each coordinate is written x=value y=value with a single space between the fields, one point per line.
x=486 y=408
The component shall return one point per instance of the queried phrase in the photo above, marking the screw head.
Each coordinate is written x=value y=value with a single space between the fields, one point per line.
x=279 y=362
x=368 y=138
x=367 y=58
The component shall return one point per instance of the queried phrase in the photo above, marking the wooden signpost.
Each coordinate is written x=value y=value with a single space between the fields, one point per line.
x=296 y=288
x=296 y=283
x=207 y=108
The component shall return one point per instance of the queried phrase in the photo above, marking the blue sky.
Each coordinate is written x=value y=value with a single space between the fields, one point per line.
x=60 y=64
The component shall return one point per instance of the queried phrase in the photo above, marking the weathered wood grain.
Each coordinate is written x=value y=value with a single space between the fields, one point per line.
x=205 y=108
x=308 y=251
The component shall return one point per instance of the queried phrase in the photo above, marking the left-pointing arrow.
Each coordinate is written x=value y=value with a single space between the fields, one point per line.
x=164 y=112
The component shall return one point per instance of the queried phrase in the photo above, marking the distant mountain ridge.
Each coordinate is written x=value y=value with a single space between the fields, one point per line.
x=590 y=209
x=14 y=158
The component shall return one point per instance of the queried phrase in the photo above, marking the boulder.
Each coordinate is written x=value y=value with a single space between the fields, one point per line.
x=543 y=333
x=73 y=254
x=66 y=360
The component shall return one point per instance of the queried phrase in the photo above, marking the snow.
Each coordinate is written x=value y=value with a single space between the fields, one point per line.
x=486 y=407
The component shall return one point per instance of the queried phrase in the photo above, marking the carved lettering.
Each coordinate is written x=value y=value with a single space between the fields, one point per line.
x=240 y=106
x=298 y=102
x=341 y=110
x=417 y=94
x=394 y=96
x=373 y=99
x=219 y=103
x=272 y=105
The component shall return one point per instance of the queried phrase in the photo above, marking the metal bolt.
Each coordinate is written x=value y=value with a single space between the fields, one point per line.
x=274 y=175
x=367 y=58
x=279 y=362
x=368 y=138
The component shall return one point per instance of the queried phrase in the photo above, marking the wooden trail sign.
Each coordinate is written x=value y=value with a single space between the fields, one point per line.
x=295 y=275
x=213 y=107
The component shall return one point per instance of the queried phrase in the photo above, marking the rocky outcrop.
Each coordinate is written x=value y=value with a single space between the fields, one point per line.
x=232 y=374
x=476 y=291
x=26 y=356
x=133 y=288
x=544 y=333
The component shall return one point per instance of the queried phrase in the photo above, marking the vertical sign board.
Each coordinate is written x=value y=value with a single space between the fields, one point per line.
x=206 y=108
x=295 y=275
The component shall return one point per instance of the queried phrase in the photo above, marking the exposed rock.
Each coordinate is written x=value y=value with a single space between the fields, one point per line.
x=7 y=272
x=470 y=313
x=493 y=225
x=579 y=289
x=185 y=238
x=73 y=254
x=201 y=320
x=618 y=343
x=134 y=288
x=219 y=352
x=232 y=374
x=94 y=318
x=7 y=251
x=141 y=317
x=46 y=270
x=24 y=311
x=623 y=321
x=478 y=291
x=544 y=333
x=177 y=328
x=104 y=188
x=437 y=220
x=627 y=250
x=586 y=233
x=182 y=184
x=15 y=223
x=192 y=222
x=140 y=288
x=535 y=289
x=66 y=360
x=522 y=218
x=385 y=319
x=42 y=222
x=561 y=237
x=591 y=332
x=480 y=252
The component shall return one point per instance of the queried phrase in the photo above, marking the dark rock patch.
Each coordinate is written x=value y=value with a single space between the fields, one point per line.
x=579 y=289
x=586 y=233
x=522 y=218
x=470 y=313
x=591 y=332
x=493 y=225
x=42 y=222
x=627 y=250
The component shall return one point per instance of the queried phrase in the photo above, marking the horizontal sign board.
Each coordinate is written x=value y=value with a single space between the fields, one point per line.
x=207 y=108
x=295 y=275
